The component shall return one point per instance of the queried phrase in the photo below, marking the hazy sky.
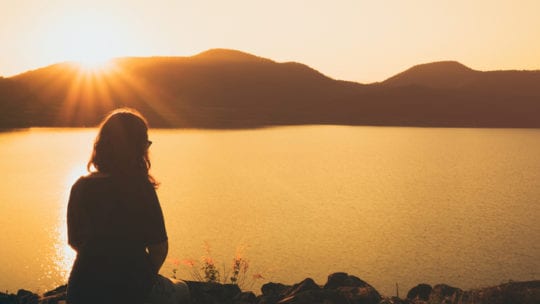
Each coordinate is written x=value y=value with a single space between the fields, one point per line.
x=358 y=40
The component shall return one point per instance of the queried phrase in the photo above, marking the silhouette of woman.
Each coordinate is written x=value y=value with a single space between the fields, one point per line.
x=114 y=218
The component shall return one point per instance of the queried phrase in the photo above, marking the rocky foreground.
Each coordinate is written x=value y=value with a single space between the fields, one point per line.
x=340 y=288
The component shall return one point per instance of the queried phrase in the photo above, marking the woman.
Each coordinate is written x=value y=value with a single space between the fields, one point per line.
x=114 y=218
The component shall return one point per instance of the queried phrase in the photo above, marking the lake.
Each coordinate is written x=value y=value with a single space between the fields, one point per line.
x=389 y=205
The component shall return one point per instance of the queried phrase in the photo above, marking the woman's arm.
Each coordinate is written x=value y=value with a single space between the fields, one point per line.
x=74 y=217
x=158 y=253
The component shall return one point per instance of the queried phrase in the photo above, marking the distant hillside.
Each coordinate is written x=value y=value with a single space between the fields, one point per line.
x=444 y=74
x=454 y=75
x=231 y=89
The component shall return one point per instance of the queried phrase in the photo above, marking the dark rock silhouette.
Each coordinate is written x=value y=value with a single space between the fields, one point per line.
x=420 y=292
x=442 y=293
x=342 y=279
x=340 y=288
x=202 y=292
x=27 y=297
x=231 y=89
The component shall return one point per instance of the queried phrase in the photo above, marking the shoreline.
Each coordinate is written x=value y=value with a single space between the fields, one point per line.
x=340 y=288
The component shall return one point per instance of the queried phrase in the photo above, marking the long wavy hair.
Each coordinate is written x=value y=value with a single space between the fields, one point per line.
x=121 y=146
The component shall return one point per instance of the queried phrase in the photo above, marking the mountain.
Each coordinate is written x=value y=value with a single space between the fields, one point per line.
x=222 y=88
x=443 y=74
x=454 y=75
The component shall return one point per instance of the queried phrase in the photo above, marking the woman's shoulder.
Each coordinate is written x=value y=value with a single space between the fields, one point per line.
x=90 y=178
x=93 y=175
x=100 y=180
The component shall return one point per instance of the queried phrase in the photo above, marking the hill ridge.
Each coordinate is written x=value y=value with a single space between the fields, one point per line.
x=228 y=54
x=439 y=74
x=240 y=90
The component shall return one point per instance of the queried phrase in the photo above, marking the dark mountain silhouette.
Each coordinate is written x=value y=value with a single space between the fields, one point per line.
x=231 y=89
x=454 y=75
x=444 y=74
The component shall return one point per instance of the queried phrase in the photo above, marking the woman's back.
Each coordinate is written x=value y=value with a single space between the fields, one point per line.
x=110 y=223
x=114 y=213
x=114 y=220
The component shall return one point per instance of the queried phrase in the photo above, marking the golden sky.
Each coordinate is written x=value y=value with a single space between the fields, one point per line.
x=357 y=40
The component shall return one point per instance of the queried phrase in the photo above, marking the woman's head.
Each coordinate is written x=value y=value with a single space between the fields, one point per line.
x=121 y=146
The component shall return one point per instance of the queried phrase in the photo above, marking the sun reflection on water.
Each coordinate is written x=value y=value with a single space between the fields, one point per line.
x=65 y=255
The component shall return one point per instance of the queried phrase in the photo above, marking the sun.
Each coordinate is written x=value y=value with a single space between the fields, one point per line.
x=95 y=64
x=92 y=47
x=88 y=39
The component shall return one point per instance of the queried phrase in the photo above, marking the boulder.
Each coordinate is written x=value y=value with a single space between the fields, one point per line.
x=305 y=285
x=353 y=288
x=419 y=292
x=512 y=292
x=6 y=298
x=27 y=297
x=394 y=300
x=300 y=292
x=443 y=293
x=57 y=291
x=54 y=296
x=272 y=293
x=360 y=295
x=320 y=296
x=340 y=279
x=210 y=293
x=304 y=292
x=246 y=297
x=169 y=291
x=341 y=288
x=274 y=289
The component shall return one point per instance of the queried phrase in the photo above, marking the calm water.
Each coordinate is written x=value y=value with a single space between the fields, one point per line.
x=390 y=205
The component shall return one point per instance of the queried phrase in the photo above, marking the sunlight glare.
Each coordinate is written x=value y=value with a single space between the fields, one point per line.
x=95 y=65
x=87 y=38
x=92 y=51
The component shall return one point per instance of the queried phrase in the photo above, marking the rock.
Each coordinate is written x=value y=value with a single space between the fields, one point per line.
x=246 y=297
x=272 y=293
x=360 y=295
x=393 y=300
x=305 y=285
x=320 y=296
x=304 y=292
x=54 y=299
x=229 y=291
x=6 y=298
x=54 y=296
x=27 y=297
x=352 y=288
x=419 y=292
x=210 y=293
x=169 y=291
x=513 y=292
x=340 y=279
x=58 y=290
x=340 y=289
x=297 y=291
x=443 y=293
x=336 y=280
x=274 y=289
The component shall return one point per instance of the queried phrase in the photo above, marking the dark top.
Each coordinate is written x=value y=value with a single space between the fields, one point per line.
x=111 y=221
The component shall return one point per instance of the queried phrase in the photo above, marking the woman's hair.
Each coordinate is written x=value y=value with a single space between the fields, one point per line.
x=121 y=146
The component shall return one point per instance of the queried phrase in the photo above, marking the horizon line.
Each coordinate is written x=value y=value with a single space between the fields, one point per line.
x=72 y=61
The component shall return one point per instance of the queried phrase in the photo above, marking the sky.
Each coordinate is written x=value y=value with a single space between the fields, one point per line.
x=355 y=40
